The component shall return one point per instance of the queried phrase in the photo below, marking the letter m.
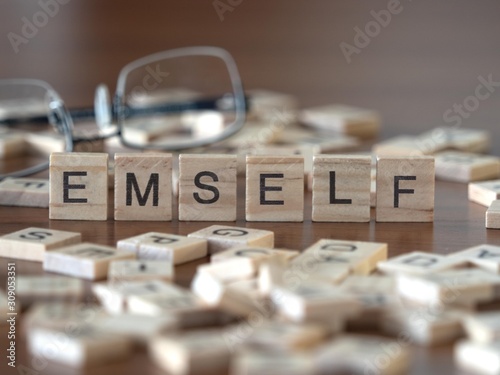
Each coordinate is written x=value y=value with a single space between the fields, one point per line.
x=153 y=183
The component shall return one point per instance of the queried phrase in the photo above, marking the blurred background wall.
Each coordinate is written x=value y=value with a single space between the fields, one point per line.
x=423 y=56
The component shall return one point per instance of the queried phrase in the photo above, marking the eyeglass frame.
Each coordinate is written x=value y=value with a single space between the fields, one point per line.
x=106 y=113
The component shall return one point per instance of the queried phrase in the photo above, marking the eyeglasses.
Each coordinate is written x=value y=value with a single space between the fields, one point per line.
x=170 y=101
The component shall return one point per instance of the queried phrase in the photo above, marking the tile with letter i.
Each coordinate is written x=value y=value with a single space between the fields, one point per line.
x=405 y=189
x=24 y=192
x=341 y=188
x=493 y=215
x=143 y=187
x=33 y=243
x=484 y=193
x=85 y=346
x=85 y=260
x=127 y=270
x=165 y=247
x=222 y=237
x=275 y=188
x=207 y=187
x=78 y=186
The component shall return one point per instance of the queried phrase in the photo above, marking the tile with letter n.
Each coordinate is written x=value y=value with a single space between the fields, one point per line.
x=164 y=246
x=405 y=189
x=24 y=192
x=207 y=187
x=341 y=188
x=222 y=237
x=78 y=186
x=275 y=188
x=85 y=260
x=484 y=193
x=33 y=243
x=143 y=187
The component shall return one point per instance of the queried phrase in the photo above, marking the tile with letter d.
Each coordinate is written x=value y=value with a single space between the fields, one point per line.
x=143 y=187
x=222 y=237
x=341 y=188
x=78 y=186
x=24 y=192
x=275 y=188
x=207 y=187
x=405 y=189
x=85 y=260
x=33 y=243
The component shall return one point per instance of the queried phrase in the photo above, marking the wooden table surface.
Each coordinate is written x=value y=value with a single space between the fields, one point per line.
x=429 y=56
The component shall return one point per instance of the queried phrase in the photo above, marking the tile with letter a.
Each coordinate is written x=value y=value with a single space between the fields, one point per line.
x=341 y=188
x=192 y=352
x=405 y=189
x=33 y=243
x=222 y=237
x=85 y=260
x=207 y=187
x=24 y=192
x=78 y=186
x=484 y=193
x=143 y=187
x=164 y=246
x=85 y=346
x=275 y=188
x=128 y=270
x=419 y=263
x=466 y=167
x=483 y=256
x=493 y=215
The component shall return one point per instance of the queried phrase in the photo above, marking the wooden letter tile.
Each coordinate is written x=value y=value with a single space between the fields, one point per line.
x=11 y=144
x=466 y=167
x=478 y=358
x=84 y=346
x=341 y=188
x=256 y=254
x=78 y=186
x=275 y=188
x=24 y=192
x=405 y=189
x=32 y=243
x=271 y=362
x=43 y=288
x=343 y=119
x=207 y=187
x=419 y=263
x=484 y=193
x=163 y=246
x=493 y=215
x=128 y=270
x=221 y=237
x=143 y=187
x=483 y=256
x=85 y=260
